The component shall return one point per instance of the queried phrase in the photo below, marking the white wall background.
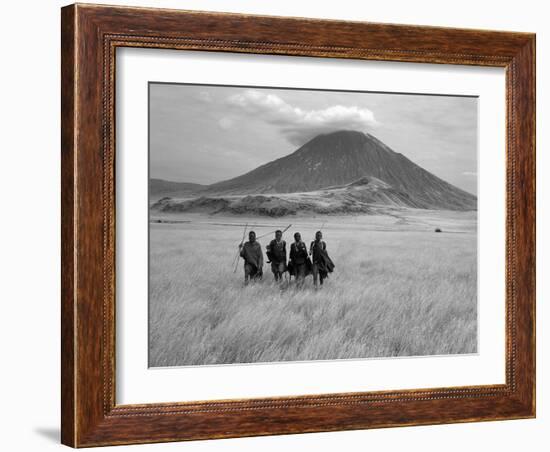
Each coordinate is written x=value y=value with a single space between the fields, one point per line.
x=29 y=230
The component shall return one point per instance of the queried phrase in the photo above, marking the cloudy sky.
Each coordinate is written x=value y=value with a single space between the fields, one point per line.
x=206 y=134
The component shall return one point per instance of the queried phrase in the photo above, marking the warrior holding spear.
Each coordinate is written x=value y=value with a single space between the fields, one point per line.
x=251 y=252
x=322 y=264
x=236 y=260
x=276 y=255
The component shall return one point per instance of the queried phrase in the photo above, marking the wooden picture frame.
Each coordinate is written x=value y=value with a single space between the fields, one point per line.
x=90 y=35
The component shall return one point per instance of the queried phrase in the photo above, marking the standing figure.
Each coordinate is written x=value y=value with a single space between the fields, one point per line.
x=253 y=257
x=299 y=260
x=276 y=254
x=322 y=264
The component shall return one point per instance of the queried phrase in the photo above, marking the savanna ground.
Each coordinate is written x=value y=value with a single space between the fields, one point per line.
x=399 y=289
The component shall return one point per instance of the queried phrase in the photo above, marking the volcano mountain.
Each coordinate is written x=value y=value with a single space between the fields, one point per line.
x=342 y=158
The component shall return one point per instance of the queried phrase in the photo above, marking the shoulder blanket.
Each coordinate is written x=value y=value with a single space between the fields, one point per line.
x=252 y=254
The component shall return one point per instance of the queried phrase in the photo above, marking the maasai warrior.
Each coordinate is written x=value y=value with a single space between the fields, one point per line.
x=322 y=265
x=299 y=260
x=276 y=254
x=253 y=257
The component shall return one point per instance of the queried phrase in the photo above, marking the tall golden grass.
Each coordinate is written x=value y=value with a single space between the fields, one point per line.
x=395 y=292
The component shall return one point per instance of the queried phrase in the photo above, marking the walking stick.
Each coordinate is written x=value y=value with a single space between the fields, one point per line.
x=239 y=251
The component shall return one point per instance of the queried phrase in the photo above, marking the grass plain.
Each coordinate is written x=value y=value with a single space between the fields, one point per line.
x=399 y=289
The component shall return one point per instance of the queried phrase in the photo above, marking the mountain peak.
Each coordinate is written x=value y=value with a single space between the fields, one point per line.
x=343 y=134
x=346 y=140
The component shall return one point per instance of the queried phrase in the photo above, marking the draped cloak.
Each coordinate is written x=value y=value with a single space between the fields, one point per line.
x=253 y=256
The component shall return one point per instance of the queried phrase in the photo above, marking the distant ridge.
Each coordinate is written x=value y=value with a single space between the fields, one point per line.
x=159 y=188
x=367 y=195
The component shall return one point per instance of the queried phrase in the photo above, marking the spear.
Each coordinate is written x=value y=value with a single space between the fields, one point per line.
x=239 y=251
x=272 y=232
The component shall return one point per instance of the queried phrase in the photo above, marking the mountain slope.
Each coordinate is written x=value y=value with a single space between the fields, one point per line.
x=159 y=188
x=340 y=158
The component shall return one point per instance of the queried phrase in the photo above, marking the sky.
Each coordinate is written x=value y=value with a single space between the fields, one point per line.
x=206 y=134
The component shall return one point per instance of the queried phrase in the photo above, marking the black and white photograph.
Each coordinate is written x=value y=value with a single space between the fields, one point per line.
x=298 y=225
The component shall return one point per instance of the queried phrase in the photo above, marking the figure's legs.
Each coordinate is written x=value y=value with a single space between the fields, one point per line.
x=247 y=270
x=276 y=272
x=300 y=275
x=315 y=271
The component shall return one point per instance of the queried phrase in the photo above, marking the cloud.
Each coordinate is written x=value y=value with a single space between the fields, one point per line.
x=298 y=125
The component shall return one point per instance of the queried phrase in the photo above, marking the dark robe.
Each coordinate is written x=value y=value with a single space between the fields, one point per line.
x=321 y=258
x=299 y=257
